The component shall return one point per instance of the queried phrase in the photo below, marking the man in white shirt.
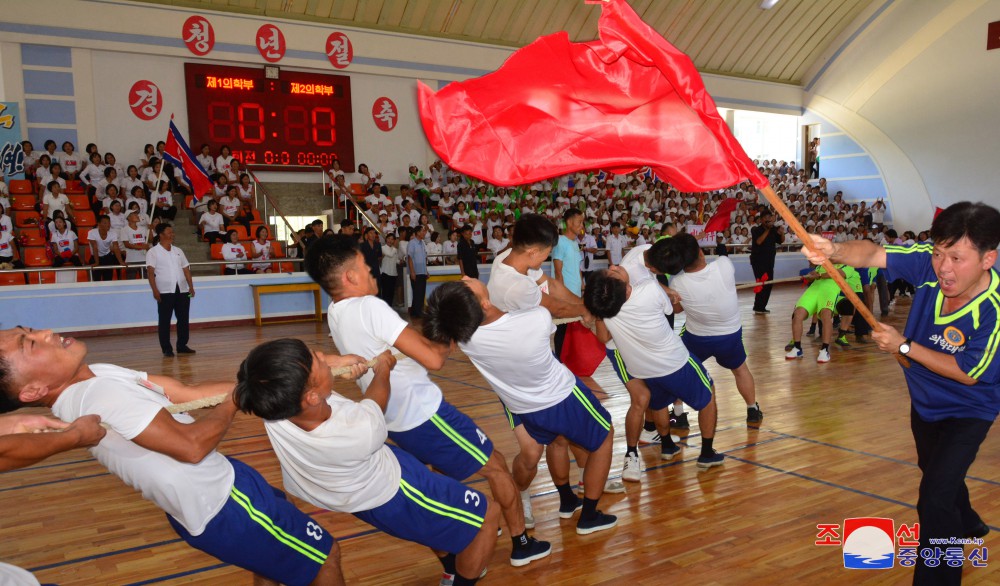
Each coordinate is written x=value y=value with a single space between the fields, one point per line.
x=511 y=350
x=616 y=243
x=708 y=296
x=173 y=288
x=633 y=314
x=216 y=504
x=333 y=454
x=417 y=417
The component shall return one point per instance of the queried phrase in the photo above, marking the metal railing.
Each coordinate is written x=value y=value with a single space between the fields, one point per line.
x=269 y=210
x=142 y=267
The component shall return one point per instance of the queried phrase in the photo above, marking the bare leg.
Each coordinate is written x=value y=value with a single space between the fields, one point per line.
x=579 y=454
x=557 y=456
x=745 y=384
x=330 y=574
x=662 y=420
x=596 y=473
x=826 y=318
x=638 y=393
x=707 y=418
x=504 y=492
x=798 y=316
x=472 y=560
x=526 y=462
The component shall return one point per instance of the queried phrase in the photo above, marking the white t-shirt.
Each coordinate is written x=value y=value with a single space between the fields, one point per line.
x=15 y=576
x=64 y=241
x=366 y=326
x=343 y=464
x=390 y=255
x=259 y=248
x=634 y=264
x=509 y=289
x=169 y=266
x=6 y=225
x=513 y=354
x=212 y=222
x=229 y=205
x=190 y=493
x=55 y=203
x=130 y=236
x=496 y=246
x=642 y=334
x=232 y=251
x=709 y=298
x=103 y=244
x=6 y=245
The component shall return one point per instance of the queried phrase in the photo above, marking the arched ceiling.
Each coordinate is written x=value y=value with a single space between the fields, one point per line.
x=726 y=37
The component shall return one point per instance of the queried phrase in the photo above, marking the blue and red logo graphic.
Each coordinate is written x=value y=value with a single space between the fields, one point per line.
x=869 y=543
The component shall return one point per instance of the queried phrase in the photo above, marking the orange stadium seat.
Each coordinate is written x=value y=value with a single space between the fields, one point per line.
x=80 y=202
x=358 y=189
x=32 y=237
x=23 y=202
x=27 y=219
x=36 y=256
x=42 y=278
x=84 y=218
x=21 y=186
x=216 y=253
x=8 y=279
x=83 y=233
x=74 y=186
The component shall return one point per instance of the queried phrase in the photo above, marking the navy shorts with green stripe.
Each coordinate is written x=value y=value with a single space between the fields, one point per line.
x=727 y=350
x=689 y=383
x=579 y=417
x=430 y=509
x=618 y=365
x=513 y=419
x=260 y=531
x=449 y=441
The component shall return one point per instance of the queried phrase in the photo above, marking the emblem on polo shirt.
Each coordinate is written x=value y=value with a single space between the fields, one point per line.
x=954 y=336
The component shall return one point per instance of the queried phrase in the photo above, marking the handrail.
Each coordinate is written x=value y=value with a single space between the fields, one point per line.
x=361 y=213
x=91 y=268
x=261 y=191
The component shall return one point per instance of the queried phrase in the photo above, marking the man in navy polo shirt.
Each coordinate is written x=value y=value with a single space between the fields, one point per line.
x=951 y=340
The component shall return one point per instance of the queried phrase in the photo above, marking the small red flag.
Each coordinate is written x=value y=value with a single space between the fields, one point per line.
x=720 y=220
x=763 y=279
x=582 y=352
x=619 y=103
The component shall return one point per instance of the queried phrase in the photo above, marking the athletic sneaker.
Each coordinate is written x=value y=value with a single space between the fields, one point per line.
x=529 y=517
x=679 y=421
x=842 y=341
x=824 y=356
x=599 y=522
x=612 y=486
x=668 y=452
x=566 y=512
x=449 y=579
x=706 y=462
x=789 y=345
x=534 y=550
x=754 y=414
x=794 y=353
x=812 y=330
x=632 y=471
x=649 y=437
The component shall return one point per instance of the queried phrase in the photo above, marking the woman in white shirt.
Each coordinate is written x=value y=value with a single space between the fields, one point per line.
x=261 y=251
x=163 y=203
x=223 y=163
x=94 y=172
x=55 y=200
x=233 y=250
x=246 y=189
x=71 y=161
x=135 y=240
x=137 y=195
x=116 y=213
x=206 y=160
x=229 y=205
x=434 y=249
x=450 y=247
x=497 y=242
x=64 y=245
x=389 y=271
x=131 y=180
x=6 y=225
x=212 y=223
x=148 y=153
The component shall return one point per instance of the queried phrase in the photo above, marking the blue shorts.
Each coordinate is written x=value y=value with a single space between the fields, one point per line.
x=449 y=441
x=690 y=383
x=513 y=419
x=727 y=350
x=260 y=531
x=618 y=365
x=579 y=417
x=429 y=509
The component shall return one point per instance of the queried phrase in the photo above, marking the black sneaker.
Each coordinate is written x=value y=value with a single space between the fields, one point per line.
x=599 y=522
x=185 y=350
x=523 y=555
x=566 y=511
x=679 y=421
x=754 y=415
x=978 y=532
x=811 y=332
x=762 y=311
x=842 y=341
x=168 y=354
x=715 y=459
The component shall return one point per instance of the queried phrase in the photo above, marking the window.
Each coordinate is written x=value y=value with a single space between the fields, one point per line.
x=763 y=135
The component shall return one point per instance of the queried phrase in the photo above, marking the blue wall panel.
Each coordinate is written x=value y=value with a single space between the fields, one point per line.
x=839 y=144
x=50 y=111
x=46 y=55
x=48 y=83
x=38 y=136
x=859 y=166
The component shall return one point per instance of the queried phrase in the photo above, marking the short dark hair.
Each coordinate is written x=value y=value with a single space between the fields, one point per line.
x=571 y=213
x=326 y=258
x=978 y=222
x=272 y=378
x=453 y=313
x=672 y=255
x=8 y=395
x=534 y=230
x=604 y=295
x=162 y=227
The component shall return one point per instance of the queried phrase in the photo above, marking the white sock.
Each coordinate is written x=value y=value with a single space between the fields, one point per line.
x=752 y=405
x=679 y=409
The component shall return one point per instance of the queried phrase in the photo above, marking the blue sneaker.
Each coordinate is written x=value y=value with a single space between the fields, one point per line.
x=794 y=353
x=715 y=459
x=668 y=453
x=533 y=550
x=599 y=522
x=566 y=511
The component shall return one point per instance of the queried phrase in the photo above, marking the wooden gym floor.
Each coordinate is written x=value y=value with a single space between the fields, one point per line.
x=835 y=444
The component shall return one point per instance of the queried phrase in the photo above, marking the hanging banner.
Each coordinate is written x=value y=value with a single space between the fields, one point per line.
x=271 y=43
x=11 y=152
x=384 y=113
x=144 y=99
x=339 y=50
x=198 y=35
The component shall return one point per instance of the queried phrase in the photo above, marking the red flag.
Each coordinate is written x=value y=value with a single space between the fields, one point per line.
x=582 y=352
x=627 y=100
x=720 y=220
x=937 y=211
x=179 y=153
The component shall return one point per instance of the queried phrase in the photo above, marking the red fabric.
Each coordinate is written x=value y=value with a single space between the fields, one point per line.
x=627 y=100
x=720 y=221
x=582 y=352
x=179 y=153
x=937 y=211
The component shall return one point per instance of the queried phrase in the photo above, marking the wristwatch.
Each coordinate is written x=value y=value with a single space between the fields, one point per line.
x=904 y=348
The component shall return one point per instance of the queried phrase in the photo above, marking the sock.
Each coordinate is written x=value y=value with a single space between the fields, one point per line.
x=589 y=508
x=678 y=411
x=752 y=405
x=666 y=442
x=631 y=450
x=825 y=347
x=461 y=580
x=649 y=426
x=448 y=562
x=566 y=495
x=521 y=540
x=797 y=344
x=706 y=446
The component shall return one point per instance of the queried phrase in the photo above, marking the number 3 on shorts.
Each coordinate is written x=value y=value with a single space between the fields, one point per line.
x=313 y=530
x=472 y=496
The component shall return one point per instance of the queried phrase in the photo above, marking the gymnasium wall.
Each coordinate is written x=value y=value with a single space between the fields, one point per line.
x=915 y=90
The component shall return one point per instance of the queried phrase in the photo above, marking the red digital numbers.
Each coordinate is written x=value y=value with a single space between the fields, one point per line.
x=323 y=127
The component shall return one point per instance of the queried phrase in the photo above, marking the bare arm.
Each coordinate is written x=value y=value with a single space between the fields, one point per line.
x=430 y=355
x=557 y=265
x=854 y=253
x=179 y=392
x=603 y=335
x=151 y=274
x=378 y=390
x=889 y=339
x=190 y=282
x=20 y=446
x=187 y=442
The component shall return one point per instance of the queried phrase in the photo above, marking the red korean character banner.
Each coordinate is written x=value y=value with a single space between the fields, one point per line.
x=385 y=114
x=145 y=100
x=339 y=50
x=271 y=43
x=198 y=35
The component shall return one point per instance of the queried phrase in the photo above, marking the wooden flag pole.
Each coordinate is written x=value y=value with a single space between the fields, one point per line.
x=800 y=231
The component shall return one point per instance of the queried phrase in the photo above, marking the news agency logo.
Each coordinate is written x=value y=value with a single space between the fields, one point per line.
x=869 y=544
x=875 y=543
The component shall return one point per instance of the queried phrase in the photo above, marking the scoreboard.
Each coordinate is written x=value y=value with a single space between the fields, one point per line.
x=296 y=119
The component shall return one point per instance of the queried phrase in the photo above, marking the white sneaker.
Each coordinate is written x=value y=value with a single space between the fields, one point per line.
x=632 y=471
x=794 y=353
x=824 y=356
x=649 y=437
x=529 y=517
x=614 y=486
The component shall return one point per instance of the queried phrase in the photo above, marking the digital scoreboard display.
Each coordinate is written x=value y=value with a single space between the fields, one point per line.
x=297 y=119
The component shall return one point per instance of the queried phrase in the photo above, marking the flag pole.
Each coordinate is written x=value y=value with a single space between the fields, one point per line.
x=800 y=231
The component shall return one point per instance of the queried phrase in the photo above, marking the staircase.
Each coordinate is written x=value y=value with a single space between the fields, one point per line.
x=194 y=248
